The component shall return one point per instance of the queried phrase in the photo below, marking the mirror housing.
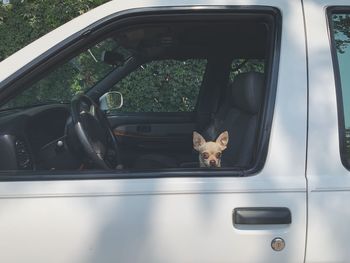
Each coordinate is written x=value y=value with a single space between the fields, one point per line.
x=112 y=58
x=111 y=100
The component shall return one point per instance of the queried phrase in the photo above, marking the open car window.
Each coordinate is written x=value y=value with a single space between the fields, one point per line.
x=151 y=94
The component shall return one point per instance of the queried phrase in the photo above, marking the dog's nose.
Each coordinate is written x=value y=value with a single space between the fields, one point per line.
x=212 y=163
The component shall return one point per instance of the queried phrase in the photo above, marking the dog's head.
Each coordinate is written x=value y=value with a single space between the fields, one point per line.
x=210 y=152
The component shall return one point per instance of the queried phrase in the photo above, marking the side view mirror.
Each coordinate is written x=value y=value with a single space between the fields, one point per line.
x=110 y=101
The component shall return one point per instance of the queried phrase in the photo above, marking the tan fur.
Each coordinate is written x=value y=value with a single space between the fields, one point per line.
x=209 y=151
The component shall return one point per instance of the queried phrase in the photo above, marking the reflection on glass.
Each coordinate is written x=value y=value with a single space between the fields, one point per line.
x=341 y=29
x=79 y=74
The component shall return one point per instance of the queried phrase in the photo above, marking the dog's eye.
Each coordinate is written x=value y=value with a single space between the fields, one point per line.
x=205 y=155
x=218 y=155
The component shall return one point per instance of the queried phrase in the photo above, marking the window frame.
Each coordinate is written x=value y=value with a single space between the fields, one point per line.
x=331 y=10
x=73 y=44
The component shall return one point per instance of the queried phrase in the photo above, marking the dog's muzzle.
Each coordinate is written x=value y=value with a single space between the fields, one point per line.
x=212 y=163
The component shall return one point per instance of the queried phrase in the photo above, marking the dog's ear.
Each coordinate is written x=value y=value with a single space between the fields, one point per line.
x=198 y=140
x=222 y=140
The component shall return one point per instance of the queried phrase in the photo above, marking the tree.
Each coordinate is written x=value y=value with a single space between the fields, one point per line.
x=169 y=86
x=23 y=21
x=341 y=27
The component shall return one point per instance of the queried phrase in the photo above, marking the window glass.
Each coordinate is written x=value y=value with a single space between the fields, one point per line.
x=341 y=35
x=77 y=75
x=162 y=86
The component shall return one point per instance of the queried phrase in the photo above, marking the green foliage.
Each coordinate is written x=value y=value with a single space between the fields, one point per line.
x=162 y=86
x=23 y=21
x=341 y=25
x=77 y=75
x=242 y=65
x=158 y=86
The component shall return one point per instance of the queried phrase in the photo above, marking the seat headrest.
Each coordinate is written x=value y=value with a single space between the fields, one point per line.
x=247 y=91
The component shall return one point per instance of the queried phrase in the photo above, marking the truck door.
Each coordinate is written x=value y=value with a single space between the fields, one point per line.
x=253 y=212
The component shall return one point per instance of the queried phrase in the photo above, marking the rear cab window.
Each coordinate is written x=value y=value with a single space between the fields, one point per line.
x=339 y=20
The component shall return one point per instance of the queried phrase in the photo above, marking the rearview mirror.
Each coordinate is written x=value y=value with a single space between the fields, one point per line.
x=112 y=100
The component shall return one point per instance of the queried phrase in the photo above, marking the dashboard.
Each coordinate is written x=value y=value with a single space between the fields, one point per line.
x=34 y=139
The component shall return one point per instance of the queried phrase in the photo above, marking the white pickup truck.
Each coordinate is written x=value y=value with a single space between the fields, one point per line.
x=122 y=184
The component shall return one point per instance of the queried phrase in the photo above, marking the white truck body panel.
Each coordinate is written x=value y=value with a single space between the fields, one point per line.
x=172 y=219
x=328 y=180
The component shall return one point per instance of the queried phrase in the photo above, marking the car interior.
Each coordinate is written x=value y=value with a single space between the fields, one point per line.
x=77 y=134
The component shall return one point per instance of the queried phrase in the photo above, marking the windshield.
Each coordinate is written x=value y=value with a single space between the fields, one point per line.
x=77 y=75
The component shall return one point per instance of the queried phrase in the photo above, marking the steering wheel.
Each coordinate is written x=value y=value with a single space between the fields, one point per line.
x=94 y=133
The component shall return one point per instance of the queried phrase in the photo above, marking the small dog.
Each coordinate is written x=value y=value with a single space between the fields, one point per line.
x=210 y=152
